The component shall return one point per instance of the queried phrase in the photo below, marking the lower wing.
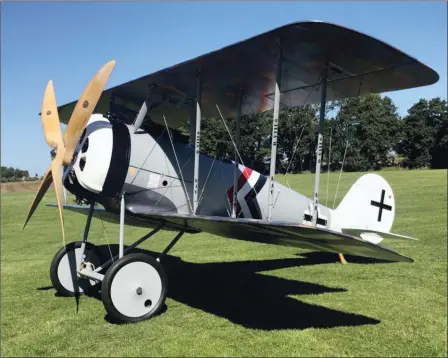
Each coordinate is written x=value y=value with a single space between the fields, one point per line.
x=269 y=232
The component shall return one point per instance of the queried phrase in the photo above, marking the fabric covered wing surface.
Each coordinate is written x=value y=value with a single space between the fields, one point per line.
x=276 y=233
x=280 y=233
x=252 y=64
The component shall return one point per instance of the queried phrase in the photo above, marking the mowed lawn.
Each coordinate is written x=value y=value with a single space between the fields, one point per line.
x=233 y=298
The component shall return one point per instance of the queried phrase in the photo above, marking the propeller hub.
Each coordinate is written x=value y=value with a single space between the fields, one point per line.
x=53 y=153
x=74 y=157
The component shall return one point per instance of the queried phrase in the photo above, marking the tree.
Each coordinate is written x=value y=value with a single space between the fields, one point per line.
x=425 y=134
x=294 y=124
x=9 y=172
x=371 y=125
x=254 y=132
x=439 y=149
x=13 y=174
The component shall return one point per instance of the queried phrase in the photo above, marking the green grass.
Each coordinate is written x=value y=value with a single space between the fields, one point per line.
x=233 y=298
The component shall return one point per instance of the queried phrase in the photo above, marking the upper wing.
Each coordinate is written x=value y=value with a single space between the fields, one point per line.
x=361 y=65
x=277 y=233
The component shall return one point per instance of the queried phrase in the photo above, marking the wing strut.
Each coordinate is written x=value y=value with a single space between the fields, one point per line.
x=278 y=80
x=237 y=145
x=320 y=137
x=197 y=141
x=141 y=115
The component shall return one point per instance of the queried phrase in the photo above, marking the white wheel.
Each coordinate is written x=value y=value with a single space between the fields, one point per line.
x=63 y=268
x=134 y=288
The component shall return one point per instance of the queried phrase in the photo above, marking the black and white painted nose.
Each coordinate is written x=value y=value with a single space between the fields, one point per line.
x=101 y=159
x=94 y=154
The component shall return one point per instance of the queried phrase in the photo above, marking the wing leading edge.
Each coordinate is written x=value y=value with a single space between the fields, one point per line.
x=276 y=233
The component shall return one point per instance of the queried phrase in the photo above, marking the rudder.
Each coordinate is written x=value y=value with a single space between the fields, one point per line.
x=369 y=205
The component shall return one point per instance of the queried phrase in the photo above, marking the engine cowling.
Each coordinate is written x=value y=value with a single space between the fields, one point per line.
x=100 y=161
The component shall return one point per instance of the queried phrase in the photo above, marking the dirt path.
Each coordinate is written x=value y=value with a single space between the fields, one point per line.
x=19 y=187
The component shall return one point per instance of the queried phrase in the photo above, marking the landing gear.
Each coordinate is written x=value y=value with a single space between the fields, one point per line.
x=134 y=288
x=134 y=285
x=64 y=267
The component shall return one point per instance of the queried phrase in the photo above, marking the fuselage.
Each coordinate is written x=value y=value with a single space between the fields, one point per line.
x=157 y=175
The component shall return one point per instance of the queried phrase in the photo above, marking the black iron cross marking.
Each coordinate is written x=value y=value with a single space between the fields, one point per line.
x=381 y=205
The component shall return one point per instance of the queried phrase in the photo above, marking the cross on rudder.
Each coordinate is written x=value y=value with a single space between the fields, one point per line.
x=381 y=205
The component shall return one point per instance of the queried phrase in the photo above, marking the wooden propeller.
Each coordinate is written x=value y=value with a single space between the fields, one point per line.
x=84 y=109
x=64 y=146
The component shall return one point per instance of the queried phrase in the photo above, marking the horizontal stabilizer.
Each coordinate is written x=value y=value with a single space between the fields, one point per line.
x=374 y=235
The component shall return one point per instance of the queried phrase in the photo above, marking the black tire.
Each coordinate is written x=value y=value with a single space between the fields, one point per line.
x=82 y=285
x=114 y=314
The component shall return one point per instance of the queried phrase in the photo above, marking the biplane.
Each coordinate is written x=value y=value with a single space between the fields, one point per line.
x=116 y=165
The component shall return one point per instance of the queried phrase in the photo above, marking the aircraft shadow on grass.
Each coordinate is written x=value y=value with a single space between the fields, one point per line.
x=238 y=292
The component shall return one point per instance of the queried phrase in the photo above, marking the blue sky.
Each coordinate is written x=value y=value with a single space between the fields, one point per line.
x=69 y=41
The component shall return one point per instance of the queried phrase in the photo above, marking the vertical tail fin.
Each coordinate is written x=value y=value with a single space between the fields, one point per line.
x=368 y=210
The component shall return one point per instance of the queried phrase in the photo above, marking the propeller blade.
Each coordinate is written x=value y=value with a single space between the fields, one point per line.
x=46 y=182
x=84 y=109
x=56 y=169
x=50 y=117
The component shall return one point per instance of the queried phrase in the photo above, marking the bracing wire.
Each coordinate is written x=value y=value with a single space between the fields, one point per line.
x=169 y=175
x=292 y=157
x=328 y=166
x=304 y=103
x=340 y=174
x=230 y=135
x=346 y=146
x=206 y=180
x=105 y=236
x=236 y=149
x=178 y=165
x=155 y=143
x=99 y=237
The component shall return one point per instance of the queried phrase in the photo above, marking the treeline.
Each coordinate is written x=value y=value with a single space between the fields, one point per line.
x=14 y=174
x=366 y=133
x=367 y=130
